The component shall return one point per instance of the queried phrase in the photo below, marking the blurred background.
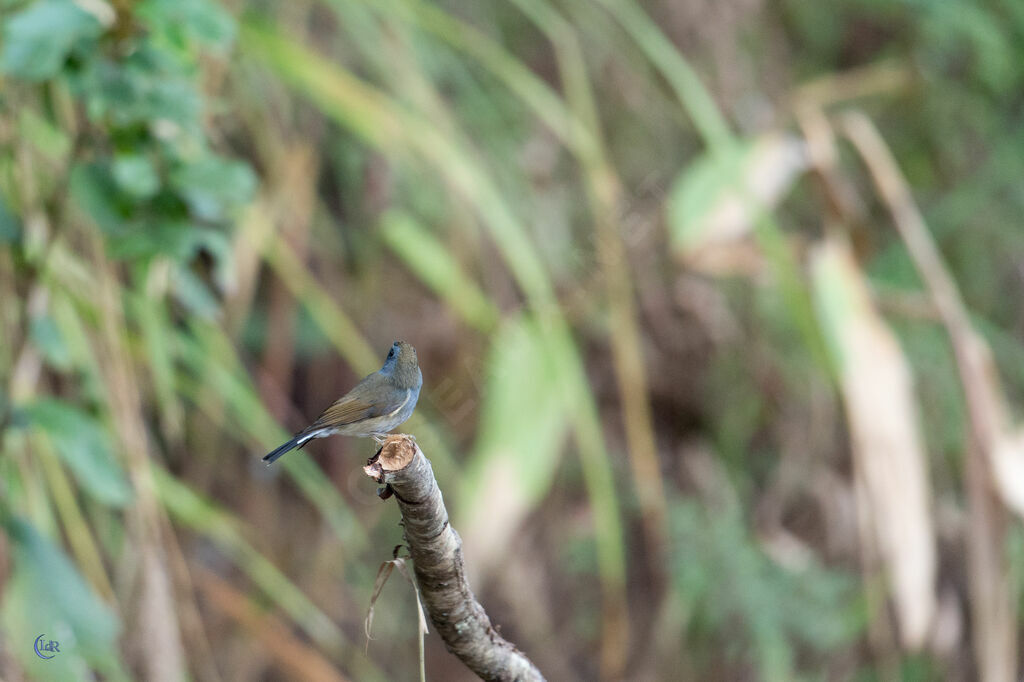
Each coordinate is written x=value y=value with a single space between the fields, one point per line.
x=718 y=306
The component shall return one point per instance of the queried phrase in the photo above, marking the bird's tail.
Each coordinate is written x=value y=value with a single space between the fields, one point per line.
x=298 y=441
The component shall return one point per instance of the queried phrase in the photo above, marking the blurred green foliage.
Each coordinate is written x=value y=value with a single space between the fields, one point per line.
x=742 y=603
x=139 y=166
x=225 y=209
x=145 y=172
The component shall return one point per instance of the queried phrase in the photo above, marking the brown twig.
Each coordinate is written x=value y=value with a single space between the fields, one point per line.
x=993 y=593
x=274 y=638
x=158 y=632
x=436 y=551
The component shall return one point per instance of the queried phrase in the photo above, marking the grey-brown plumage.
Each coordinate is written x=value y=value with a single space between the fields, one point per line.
x=377 y=404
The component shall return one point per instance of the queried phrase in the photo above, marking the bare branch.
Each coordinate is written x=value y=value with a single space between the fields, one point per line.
x=436 y=551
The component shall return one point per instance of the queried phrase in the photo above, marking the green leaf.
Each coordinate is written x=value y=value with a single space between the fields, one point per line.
x=837 y=298
x=147 y=87
x=698 y=188
x=165 y=237
x=135 y=175
x=10 y=225
x=213 y=186
x=47 y=338
x=200 y=21
x=50 y=140
x=193 y=293
x=84 y=446
x=38 y=39
x=718 y=198
x=47 y=596
x=93 y=192
x=524 y=418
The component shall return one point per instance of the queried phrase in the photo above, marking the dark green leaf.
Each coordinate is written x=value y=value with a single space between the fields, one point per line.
x=146 y=88
x=94 y=192
x=213 y=186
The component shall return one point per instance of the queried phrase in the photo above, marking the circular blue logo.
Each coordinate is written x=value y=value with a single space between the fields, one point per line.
x=40 y=647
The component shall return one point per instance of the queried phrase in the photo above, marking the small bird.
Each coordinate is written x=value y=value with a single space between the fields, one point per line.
x=377 y=404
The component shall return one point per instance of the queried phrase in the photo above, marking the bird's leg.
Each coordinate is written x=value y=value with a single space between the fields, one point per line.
x=379 y=440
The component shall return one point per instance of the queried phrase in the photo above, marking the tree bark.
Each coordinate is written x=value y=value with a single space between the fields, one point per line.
x=436 y=551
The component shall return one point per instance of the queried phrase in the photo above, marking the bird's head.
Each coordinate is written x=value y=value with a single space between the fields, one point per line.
x=401 y=358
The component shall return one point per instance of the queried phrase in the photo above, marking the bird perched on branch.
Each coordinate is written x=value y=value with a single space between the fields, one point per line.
x=377 y=404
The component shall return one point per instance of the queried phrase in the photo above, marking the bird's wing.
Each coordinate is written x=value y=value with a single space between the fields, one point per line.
x=345 y=410
x=371 y=397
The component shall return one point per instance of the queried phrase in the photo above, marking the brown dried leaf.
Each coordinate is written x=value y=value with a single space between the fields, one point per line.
x=1008 y=469
x=1001 y=440
x=890 y=462
x=383 y=573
